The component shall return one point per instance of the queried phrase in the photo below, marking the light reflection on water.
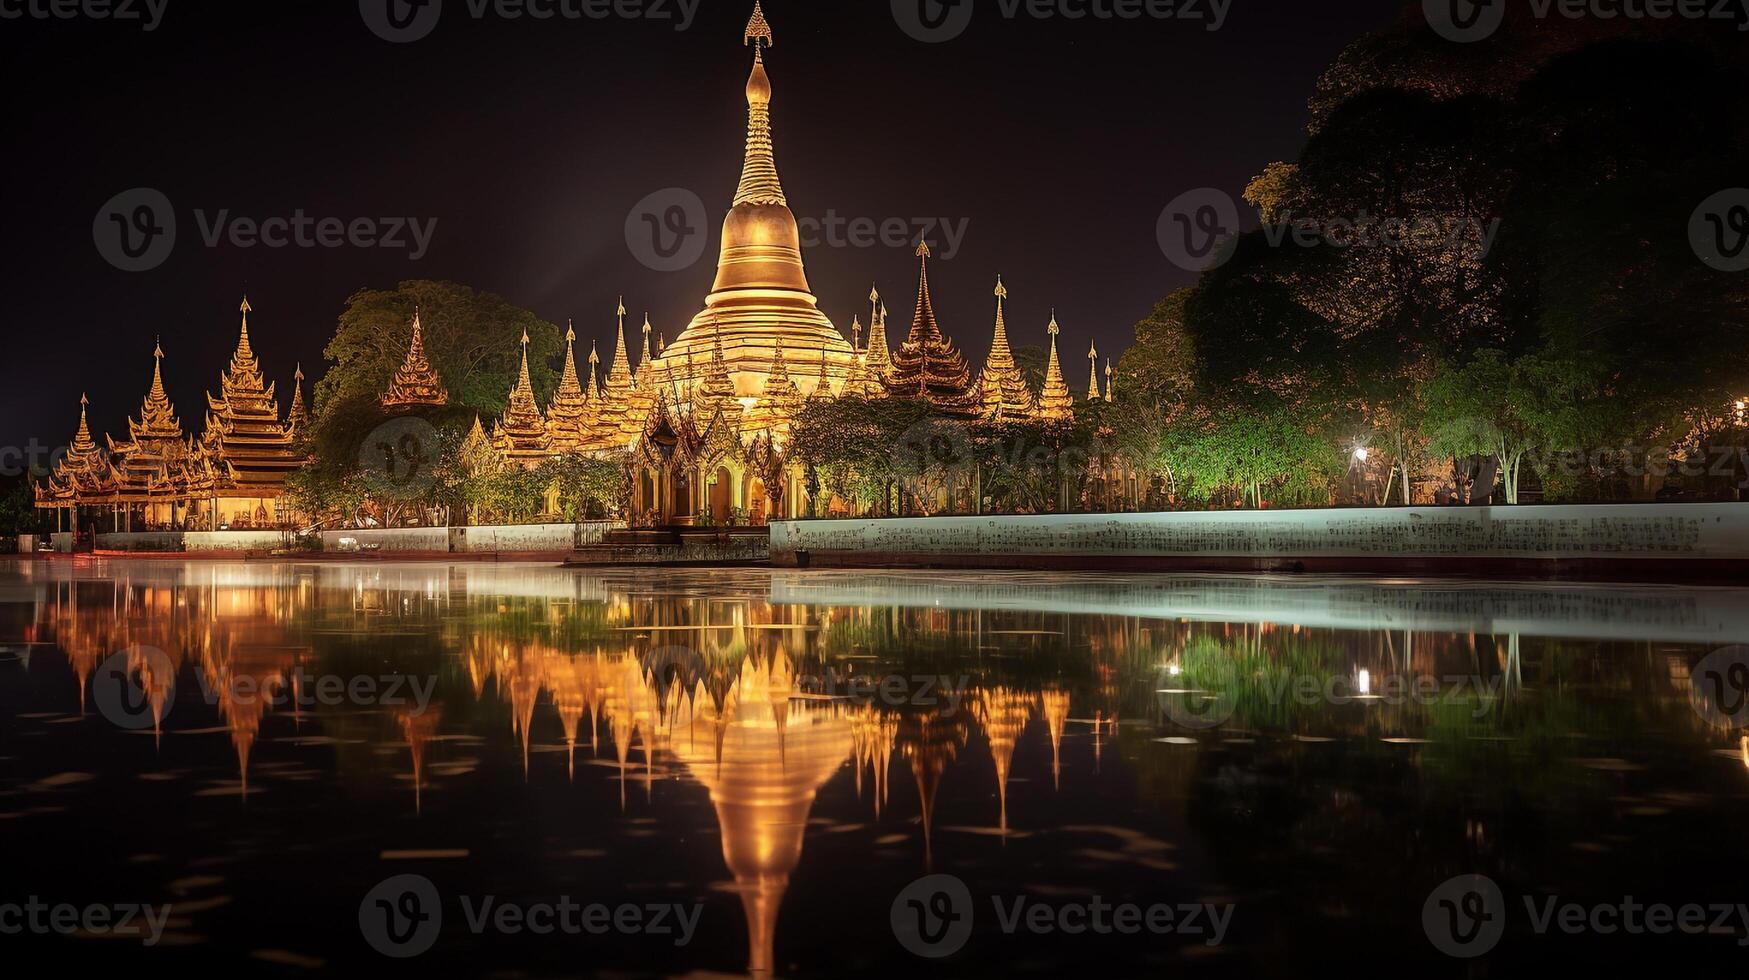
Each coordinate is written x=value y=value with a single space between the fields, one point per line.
x=792 y=749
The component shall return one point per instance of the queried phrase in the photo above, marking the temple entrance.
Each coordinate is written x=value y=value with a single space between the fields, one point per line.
x=680 y=506
x=720 y=496
x=756 y=503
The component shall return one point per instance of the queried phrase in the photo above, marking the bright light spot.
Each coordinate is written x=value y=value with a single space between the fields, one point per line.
x=1174 y=670
x=1365 y=682
x=1361 y=453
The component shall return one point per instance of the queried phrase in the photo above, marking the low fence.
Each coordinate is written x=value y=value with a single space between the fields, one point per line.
x=1444 y=539
x=508 y=539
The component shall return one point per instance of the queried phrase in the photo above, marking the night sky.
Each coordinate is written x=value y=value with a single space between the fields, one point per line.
x=1057 y=142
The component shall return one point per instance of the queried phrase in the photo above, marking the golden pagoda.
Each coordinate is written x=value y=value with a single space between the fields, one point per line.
x=778 y=399
x=149 y=469
x=761 y=297
x=521 y=435
x=1093 y=373
x=1054 y=401
x=248 y=444
x=928 y=365
x=1006 y=398
x=878 y=359
x=81 y=474
x=568 y=416
x=416 y=384
x=297 y=416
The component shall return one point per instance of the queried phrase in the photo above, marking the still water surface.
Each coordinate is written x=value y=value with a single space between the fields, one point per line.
x=767 y=760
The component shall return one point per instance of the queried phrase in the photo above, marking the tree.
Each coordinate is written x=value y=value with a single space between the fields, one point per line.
x=1510 y=408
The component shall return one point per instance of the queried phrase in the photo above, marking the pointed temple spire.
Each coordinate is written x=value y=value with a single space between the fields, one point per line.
x=521 y=435
x=878 y=358
x=928 y=365
x=1054 y=401
x=298 y=416
x=619 y=373
x=417 y=382
x=568 y=418
x=1093 y=373
x=759 y=183
x=1110 y=390
x=1002 y=388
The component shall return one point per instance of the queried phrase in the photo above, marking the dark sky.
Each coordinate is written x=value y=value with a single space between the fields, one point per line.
x=1057 y=142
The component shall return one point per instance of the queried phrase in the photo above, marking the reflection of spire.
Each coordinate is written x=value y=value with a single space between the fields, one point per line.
x=872 y=732
x=1002 y=713
x=1054 y=705
x=772 y=755
x=930 y=742
x=419 y=727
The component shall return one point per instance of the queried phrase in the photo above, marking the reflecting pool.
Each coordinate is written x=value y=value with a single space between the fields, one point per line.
x=518 y=770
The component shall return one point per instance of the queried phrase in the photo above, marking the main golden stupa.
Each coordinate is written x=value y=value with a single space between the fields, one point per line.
x=761 y=300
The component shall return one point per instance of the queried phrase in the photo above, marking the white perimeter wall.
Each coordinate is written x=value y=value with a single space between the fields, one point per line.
x=1553 y=532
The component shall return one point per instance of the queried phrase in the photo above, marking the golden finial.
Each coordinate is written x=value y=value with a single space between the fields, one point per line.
x=856 y=333
x=757 y=28
x=1053 y=328
x=1093 y=352
x=245 y=308
x=622 y=310
x=298 y=375
x=1001 y=290
x=83 y=401
x=923 y=250
x=874 y=295
x=525 y=337
x=594 y=353
x=647 y=327
x=158 y=349
x=570 y=331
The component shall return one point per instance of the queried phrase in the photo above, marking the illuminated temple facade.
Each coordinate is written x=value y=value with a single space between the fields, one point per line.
x=706 y=419
x=703 y=423
x=230 y=475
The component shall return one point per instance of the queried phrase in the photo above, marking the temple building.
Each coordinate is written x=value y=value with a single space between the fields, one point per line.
x=703 y=423
x=416 y=384
x=162 y=478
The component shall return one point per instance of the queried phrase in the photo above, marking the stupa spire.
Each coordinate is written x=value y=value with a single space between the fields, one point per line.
x=759 y=182
x=1002 y=388
x=878 y=358
x=298 y=416
x=1054 y=401
x=1093 y=373
x=243 y=349
x=619 y=373
x=417 y=382
x=928 y=364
